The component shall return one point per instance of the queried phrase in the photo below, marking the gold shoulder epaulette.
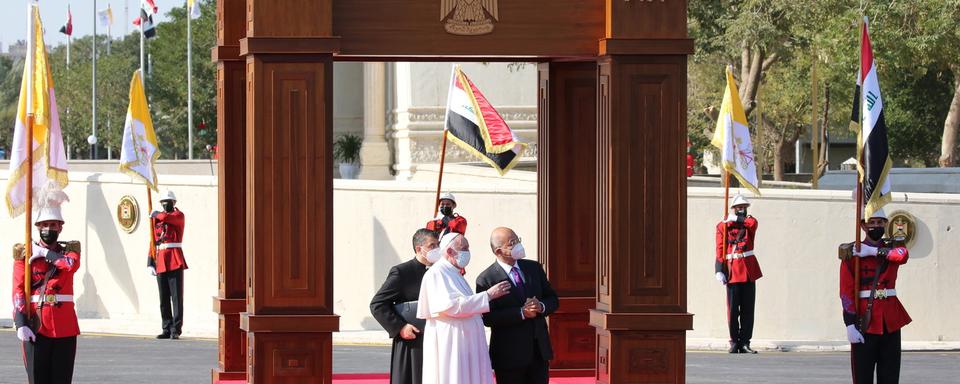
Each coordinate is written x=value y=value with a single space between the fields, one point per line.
x=845 y=251
x=72 y=246
x=18 y=251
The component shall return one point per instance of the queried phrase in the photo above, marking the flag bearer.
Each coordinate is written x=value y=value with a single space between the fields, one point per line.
x=49 y=331
x=169 y=264
x=738 y=270
x=874 y=317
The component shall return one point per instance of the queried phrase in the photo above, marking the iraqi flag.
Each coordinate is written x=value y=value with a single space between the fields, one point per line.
x=67 y=28
x=474 y=125
x=867 y=118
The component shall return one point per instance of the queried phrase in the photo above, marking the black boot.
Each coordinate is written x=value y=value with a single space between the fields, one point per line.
x=164 y=335
x=734 y=348
x=745 y=348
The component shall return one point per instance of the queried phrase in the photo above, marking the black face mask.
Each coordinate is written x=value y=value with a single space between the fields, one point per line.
x=446 y=211
x=167 y=206
x=741 y=212
x=49 y=236
x=875 y=234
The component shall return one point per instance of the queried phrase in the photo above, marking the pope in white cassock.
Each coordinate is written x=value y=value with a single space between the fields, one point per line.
x=454 y=342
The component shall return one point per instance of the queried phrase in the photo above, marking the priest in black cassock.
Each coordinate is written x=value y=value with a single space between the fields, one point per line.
x=394 y=307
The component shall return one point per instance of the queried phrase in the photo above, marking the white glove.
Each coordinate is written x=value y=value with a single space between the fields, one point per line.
x=721 y=278
x=865 y=251
x=853 y=335
x=38 y=253
x=24 y=334
x=152 y=271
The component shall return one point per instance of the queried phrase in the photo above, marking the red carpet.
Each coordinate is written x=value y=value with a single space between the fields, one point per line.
x=381 y=378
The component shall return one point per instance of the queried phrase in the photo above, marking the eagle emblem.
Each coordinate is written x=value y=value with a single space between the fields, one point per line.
x=469 y=17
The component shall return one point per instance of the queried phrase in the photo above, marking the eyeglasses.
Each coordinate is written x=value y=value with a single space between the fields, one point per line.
x=514 y=242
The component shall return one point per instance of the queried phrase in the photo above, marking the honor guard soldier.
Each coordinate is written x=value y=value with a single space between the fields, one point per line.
x=871 y=311
x=447 y=220
x=169 y=263
x=45 y=319
x=738 y=270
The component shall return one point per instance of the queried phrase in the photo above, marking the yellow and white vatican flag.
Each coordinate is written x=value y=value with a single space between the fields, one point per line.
x=194 y=7
x=45 y=145
x=732 y=137
x=139 y=151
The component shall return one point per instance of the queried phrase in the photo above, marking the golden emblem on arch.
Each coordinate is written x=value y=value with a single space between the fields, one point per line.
x=469 y=17
x=128 y=213
x=902 y=227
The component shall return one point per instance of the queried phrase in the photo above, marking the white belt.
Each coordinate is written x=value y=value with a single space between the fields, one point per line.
x=880 y=294
x=734 y=256
x=52 y=299
x=170 y=245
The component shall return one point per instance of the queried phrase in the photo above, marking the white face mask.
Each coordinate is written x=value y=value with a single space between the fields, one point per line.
x=463 y=258
x=518 y=253
x=433 y=255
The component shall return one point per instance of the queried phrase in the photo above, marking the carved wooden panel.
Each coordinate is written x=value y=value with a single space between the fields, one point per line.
x=230 y=25
x=294 y=358
x=289 y=18
x=289 y=183
x=603 y=191
x=566 y=198
x=645 y=184
x=558 y=28
x=566 y=175
x=231 y=165
x=646 y=357
x=646 y=19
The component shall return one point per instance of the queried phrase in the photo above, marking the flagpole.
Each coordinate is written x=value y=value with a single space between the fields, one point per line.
x=443 y=147
x=189 y=84
x=814 y=139
x=69 y=40
x=443 y=157
x=143 y=74
x=28 y=212
x=153 y=241
x=93 y=97
x=726 y=207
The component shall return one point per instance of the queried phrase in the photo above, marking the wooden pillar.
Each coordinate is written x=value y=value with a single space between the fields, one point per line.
x=231 y=163
x=567 y=207
x=641 y=314
x=289 y=71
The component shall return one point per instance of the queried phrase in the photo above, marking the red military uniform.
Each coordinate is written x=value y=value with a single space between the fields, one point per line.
x=739 y=264
x=168 y=234
x=456 y=224
x=888 y=314
x=58 y=318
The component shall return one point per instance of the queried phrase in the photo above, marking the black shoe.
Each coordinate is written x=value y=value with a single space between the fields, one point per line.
x=163 y=336
x=734 y=348
x=176 y=336
x=746 y=349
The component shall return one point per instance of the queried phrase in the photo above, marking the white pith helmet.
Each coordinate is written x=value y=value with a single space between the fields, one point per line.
x=168 y=195
x=740 y=200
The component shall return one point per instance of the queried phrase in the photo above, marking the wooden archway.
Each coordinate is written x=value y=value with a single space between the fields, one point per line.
x=612 y=191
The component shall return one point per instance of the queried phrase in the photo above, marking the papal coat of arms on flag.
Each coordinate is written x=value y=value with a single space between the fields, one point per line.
x=139 y=151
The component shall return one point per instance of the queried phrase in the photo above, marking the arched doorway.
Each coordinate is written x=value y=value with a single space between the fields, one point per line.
x=612 y=191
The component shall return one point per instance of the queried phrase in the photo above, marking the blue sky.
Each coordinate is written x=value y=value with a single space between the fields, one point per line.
x=13 y=23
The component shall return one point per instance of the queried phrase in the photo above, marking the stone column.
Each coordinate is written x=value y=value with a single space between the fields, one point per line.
x=375 y=154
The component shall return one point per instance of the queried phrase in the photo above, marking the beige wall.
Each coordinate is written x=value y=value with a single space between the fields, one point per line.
x=796 y=246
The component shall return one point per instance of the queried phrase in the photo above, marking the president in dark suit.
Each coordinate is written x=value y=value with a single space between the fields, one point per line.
x=403 y=286
x=519 y=344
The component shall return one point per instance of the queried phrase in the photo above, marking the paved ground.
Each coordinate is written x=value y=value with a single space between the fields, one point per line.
x=113 y=359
